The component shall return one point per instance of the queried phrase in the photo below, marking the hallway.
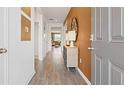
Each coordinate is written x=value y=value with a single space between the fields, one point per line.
x=52 y=71
x=92 y=39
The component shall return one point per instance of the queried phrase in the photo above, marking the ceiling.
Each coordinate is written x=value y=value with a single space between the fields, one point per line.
x=55 y=14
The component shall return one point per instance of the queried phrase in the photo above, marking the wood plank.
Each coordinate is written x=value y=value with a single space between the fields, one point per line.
x=52 y=71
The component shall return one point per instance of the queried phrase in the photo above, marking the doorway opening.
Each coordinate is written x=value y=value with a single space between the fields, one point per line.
x=56 y=40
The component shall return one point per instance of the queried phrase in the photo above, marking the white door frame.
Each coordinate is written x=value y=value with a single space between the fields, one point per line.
x=5 y=45
x=38 y=38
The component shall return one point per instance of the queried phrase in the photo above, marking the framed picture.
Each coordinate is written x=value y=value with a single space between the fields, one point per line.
x=25 y=29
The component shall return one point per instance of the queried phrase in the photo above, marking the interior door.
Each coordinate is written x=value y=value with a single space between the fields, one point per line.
x=3 y=45
x=108 y=46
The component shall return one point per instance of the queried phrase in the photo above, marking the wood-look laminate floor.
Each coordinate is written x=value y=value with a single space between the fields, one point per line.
x=52 y=71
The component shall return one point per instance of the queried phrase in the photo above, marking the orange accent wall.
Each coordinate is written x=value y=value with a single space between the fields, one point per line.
x=27 y=10
x=83 y=16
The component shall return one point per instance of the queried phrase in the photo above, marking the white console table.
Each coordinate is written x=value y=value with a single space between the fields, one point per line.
x=70 y=55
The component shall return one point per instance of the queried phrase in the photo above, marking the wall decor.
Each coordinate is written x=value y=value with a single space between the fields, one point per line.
x=74 y=25
x=25 y=29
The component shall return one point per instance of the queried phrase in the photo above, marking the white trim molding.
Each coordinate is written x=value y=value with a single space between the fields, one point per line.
x=83 y=76
x=30 y=78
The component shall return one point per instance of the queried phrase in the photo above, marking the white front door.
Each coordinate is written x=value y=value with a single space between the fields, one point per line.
x=3 y=45
x=108 y=44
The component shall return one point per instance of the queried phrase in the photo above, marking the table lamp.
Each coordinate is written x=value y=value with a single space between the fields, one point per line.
x=72 y=37
x=67 y=39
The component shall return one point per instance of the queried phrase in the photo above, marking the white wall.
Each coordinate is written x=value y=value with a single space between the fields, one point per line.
x=36 y=40
x=44 y=40
x=21 y=53
x=44 y=37
x=40 y=36
x=64 y=32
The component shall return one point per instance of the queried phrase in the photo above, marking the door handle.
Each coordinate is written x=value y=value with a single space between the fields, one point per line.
x=90 y=48
x=3 y=50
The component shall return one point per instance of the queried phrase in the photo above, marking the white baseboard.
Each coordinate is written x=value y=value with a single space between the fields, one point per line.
x=30 y=77
x=83 y=76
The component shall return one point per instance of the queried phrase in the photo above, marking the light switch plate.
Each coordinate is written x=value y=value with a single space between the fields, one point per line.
x=80 y=60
